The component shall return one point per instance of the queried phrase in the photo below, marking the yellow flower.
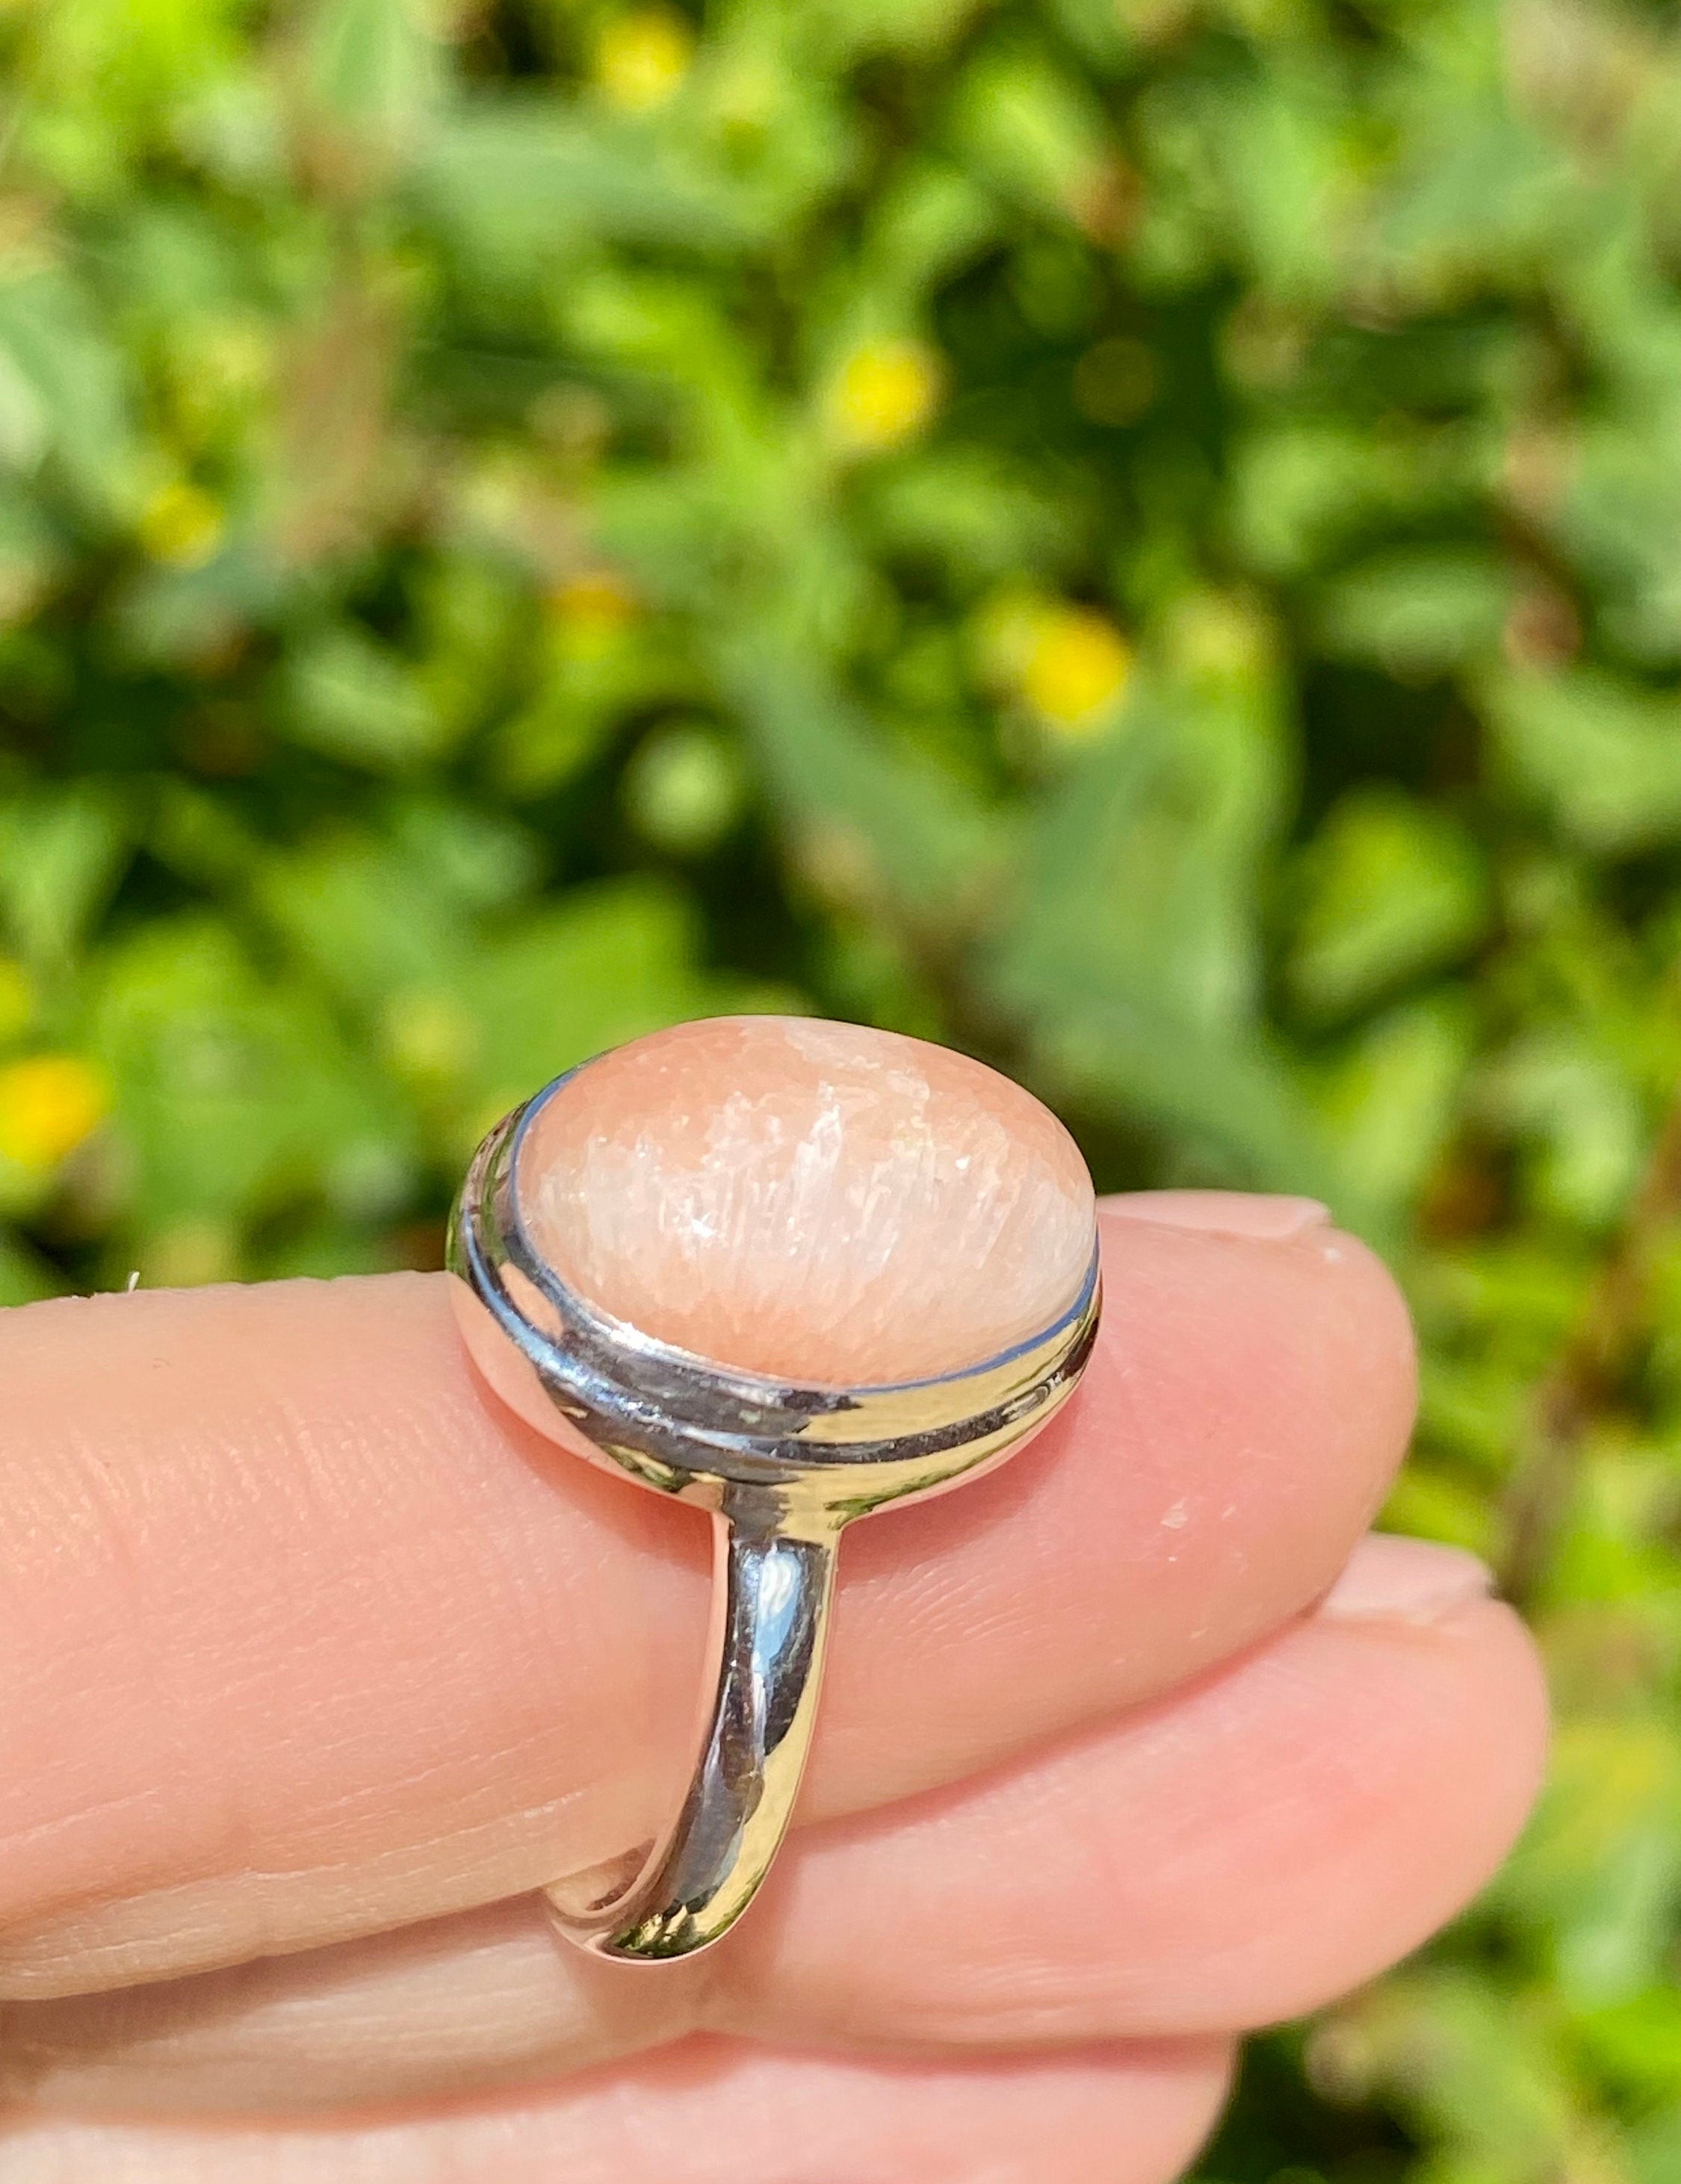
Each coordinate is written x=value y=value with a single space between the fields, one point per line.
x=591 y=610
x=48 y=1104
x=641 y=59
x=181 y=526
x=1075 y=665
x=886 y=392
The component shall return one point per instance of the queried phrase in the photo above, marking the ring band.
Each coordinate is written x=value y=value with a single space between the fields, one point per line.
x=782 y=1469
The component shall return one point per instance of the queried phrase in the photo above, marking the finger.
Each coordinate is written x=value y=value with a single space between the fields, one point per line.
x=1282 y=1831
x=305 y=1636
x=1223 y=1858
x=713 y=2113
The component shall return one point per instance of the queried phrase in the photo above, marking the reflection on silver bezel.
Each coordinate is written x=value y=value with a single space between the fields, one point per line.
x=669 y=1415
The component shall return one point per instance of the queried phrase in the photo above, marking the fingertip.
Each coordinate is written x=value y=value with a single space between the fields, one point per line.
x=1265 y=1217
x=1391 y=1575
x=1308 y=1322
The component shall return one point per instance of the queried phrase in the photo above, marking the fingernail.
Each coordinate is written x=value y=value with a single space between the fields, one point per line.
x=1393 y=1580
x=1269 y=1220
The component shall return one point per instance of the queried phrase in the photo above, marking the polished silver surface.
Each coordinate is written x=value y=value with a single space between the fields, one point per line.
x=771 y=1596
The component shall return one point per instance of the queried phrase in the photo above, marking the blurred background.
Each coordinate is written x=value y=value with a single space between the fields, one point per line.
x=1138 y=537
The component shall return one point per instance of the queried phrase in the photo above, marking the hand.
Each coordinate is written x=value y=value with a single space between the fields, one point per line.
x=312 y=1661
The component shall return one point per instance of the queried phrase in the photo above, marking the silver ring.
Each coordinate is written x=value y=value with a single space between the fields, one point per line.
x=781 y=1467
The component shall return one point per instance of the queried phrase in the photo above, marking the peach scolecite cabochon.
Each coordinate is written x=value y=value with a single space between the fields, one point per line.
x=814 y=1201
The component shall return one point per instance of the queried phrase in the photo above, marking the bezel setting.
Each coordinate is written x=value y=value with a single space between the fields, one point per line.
x=690 y=1426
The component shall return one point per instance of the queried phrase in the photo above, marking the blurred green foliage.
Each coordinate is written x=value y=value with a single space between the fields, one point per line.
x=1139 y=537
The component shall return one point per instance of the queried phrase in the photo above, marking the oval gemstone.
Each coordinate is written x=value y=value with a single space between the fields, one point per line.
x=817 y=1202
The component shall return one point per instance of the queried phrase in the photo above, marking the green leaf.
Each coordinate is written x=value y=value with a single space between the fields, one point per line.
x=1486 y=193
x=1601 y=756
x=933 y=220
x=979 y=517
x=1227 y=1103
x=349 y=698
x=1388 y=889
x=1388 y=1103
x=607 y=964
x=62 y=852
x=520 y=181
x=1140 y=864
x=1417 y=612
x=1654 y=2149
x=1619 y=520
x=366 y=920
x=62 y=391
x=1035 y=130
x=1465 y=2068
x=373 y=69
x=235 y=1096
x=1601 y=1865
x=869 y=821
x=1132 y=953
x=850 y=28
x=1292 y=174
x=1569 y=1105
x=1304 y=487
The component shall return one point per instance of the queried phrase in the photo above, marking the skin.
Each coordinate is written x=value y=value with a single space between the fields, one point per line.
x=316 y=1660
